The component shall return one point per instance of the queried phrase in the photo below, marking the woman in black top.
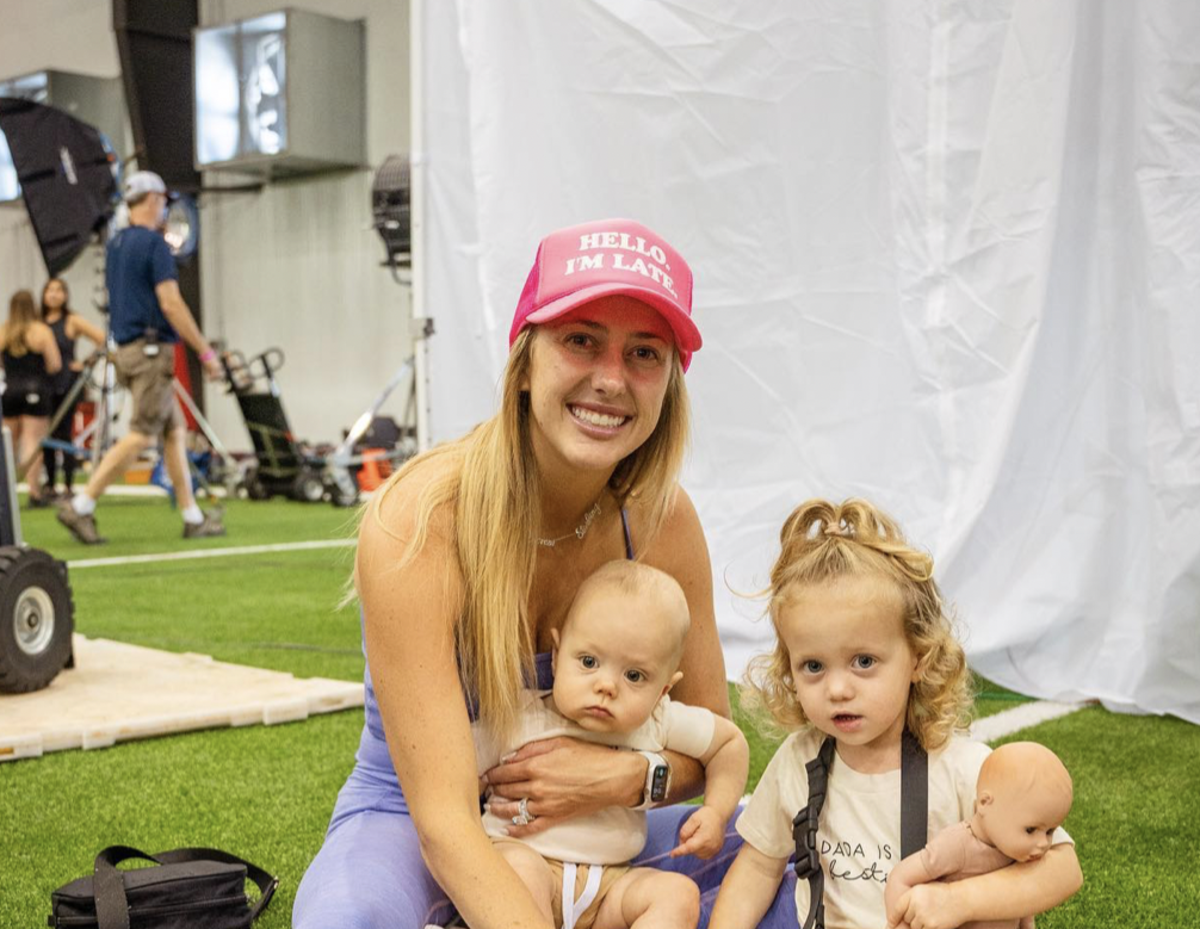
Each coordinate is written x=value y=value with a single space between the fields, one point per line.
x=67 y=326
x=30 y=356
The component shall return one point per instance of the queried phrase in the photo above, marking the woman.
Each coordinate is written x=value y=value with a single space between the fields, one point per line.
x=469 y=559
x=30 y=356
x=67 y=326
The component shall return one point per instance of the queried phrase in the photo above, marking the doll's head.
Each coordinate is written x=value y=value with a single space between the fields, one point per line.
x=618 y=652
x=846 y=573
x=1023 y=794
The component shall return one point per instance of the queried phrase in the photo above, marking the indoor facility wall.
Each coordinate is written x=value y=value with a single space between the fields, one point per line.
x=294 y=264
x=297 y=264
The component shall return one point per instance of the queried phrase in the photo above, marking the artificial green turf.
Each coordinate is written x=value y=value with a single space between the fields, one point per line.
x=275 y=611
x=266 y=792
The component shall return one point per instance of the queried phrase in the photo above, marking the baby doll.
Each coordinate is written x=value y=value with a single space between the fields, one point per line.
x=1021 y=798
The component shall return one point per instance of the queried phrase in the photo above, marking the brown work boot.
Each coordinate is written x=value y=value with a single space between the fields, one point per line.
x=82 y=527
x=212 y=526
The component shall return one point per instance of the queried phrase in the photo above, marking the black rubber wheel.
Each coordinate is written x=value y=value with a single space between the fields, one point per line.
x=37 y=618
x=308 y=487
x=255 y=489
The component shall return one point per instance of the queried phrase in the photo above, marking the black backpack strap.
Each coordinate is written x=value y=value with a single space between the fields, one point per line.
x=914 y=795
x=914 y=817
x=267 y=883
x=108 y=886
x=804 y=833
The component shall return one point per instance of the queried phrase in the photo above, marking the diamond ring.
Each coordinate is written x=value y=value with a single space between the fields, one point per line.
x=523 y=817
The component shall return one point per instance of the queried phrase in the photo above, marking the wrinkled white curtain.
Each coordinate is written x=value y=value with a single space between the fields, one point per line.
x=947 y=257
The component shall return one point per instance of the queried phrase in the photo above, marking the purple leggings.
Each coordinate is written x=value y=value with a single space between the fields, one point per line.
x=369 y=873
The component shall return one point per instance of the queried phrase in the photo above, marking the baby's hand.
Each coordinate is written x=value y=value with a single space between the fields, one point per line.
x=702 y=834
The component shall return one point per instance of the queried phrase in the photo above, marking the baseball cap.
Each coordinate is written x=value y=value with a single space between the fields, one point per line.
x=582 y=263
x=143 y=182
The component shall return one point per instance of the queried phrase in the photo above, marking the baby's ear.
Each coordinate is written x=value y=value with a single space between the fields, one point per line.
x=984 y=799
x=554 y=651
x=675 y=679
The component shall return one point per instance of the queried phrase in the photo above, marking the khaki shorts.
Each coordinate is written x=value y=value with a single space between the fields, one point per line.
x=612 y=874
x=151 y=383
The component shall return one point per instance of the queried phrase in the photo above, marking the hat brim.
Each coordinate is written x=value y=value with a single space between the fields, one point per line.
x=129 y=197
x=687 y=335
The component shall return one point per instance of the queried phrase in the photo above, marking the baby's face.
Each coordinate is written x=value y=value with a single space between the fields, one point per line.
x=1022 y=824
x=613 y=663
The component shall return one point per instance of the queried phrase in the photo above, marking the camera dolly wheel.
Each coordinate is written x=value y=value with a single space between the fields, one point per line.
x=254 y=486
x=308 y=487
x=37 y=618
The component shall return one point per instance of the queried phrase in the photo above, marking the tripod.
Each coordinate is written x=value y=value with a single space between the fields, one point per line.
x=105 y=415
x=103 y=419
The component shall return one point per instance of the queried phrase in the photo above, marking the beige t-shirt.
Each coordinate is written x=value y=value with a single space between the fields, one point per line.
x=615 y=834
x=859 y=834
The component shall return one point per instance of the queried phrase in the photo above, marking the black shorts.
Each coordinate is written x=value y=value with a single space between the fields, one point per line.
x=27 y=400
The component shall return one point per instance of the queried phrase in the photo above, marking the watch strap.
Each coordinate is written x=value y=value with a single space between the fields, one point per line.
x=658 y=774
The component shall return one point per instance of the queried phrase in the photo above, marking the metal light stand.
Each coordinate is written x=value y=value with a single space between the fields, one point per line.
x=231 y=476
x=342 y=459
x=72 y=395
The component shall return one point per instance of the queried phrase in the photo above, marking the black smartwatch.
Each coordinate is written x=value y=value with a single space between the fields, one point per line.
x=658 y=780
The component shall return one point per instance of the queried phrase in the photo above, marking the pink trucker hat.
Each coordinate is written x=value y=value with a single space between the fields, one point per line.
x=612 y=256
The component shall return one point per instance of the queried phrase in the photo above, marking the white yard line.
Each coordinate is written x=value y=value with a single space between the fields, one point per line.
x=1020 y=717
x=137 y=490
x=209 y=553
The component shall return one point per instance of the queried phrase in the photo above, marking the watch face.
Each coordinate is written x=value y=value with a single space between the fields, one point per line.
x=658 y=786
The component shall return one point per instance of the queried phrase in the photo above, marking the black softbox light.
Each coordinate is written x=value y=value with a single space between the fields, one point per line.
x=66 y=175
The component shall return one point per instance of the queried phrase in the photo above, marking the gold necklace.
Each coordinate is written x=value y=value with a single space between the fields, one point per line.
x=579 y=531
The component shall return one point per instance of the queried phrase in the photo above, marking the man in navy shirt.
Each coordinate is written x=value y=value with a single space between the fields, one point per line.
x=147 y=315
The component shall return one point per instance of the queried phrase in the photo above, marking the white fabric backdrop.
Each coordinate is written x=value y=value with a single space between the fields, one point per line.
x=946 y=255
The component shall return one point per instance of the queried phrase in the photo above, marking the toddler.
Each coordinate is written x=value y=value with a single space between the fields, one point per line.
x=864 y=652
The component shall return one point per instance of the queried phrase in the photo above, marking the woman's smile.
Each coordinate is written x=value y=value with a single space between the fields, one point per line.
x=598 y=420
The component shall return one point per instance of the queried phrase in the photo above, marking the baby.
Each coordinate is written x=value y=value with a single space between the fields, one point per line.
x=615 y=658
x=1022 y=796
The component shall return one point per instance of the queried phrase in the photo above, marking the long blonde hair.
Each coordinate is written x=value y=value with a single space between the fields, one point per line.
x=22 y=313
x=823 y=542
x=493 y=485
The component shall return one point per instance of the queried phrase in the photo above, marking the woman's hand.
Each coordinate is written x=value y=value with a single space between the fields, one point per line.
x=930 y=906
x=562 y=778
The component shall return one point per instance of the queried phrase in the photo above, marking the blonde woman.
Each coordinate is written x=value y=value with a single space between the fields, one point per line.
x=30 y=356
x=467 y=564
